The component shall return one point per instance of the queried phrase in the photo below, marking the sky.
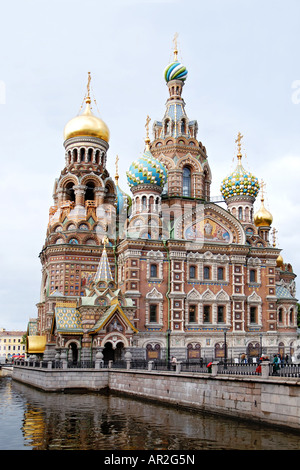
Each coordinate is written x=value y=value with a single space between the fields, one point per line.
x=242 y=58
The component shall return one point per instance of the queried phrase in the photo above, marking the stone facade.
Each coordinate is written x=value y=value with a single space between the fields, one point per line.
x=185 y=274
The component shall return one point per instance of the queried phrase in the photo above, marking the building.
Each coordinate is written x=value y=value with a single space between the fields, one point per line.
x=168 y=270
x=12 y=345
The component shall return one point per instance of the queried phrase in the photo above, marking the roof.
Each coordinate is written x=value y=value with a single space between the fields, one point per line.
x=68 y=319
x=283 y=293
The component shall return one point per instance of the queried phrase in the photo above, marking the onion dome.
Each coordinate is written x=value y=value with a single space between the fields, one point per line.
x=146 y=170
x=263 y=218
x=241 y=182
x=279 y=261
x=87 y=124
x=175 y=71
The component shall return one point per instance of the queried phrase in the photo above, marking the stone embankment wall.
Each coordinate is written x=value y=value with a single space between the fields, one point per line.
x=271 y=400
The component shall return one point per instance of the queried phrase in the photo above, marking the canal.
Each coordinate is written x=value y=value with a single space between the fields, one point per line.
x=34 y=420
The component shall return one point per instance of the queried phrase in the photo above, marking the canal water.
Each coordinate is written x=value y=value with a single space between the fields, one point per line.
x=34 y=420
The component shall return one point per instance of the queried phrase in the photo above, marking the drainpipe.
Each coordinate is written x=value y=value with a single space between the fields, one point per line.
x=168 y=299
x=116 y=264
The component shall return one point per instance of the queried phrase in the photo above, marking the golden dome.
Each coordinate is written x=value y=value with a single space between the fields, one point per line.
x=263 y=218
x=86 y=124
x=279 y=261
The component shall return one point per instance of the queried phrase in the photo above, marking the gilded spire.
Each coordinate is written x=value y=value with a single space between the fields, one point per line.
x=147 y=140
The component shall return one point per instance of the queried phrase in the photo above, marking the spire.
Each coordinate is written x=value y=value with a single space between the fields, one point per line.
x=103 y=272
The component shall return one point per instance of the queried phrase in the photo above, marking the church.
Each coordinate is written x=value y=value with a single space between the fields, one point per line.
x=166 y=270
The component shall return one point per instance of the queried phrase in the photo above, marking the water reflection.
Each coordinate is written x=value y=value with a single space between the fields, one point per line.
x=53 y=421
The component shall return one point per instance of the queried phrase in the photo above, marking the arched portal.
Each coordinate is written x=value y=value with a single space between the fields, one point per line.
x=73 y=355
x=111 y=353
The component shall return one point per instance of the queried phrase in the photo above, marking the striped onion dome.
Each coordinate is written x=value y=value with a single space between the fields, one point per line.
x=146 y=170
x=175 y=71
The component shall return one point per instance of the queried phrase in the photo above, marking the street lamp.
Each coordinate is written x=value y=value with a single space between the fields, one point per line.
x=168 y=346
x=225 y=348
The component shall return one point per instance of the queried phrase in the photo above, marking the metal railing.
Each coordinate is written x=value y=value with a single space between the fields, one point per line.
x=228 y=368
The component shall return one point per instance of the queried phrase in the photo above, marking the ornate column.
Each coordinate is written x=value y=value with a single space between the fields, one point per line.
x=79 y=194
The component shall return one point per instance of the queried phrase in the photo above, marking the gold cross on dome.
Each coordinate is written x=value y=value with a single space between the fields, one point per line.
x=147 y=140
x=262 y=186
x=175 y=46
x=117 y=169
x=88 y=98
x=238 y=142
x=147 y=125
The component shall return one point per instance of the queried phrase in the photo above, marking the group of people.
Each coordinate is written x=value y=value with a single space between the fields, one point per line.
x=277 y=360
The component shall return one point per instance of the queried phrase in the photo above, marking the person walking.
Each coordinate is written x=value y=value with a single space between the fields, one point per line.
x=275 y=364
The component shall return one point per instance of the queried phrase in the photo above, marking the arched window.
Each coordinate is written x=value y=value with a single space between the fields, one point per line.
x=144 y=202
x=70 y=193
x=186 y=182
x=192 y=272
x=240 y=213
x=153 y=270
x=89 y=193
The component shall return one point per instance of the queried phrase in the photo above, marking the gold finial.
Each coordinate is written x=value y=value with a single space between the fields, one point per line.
x=105 y=241
x=147 y=140
x=88 y=97
x=175 y=47
x=238 y=142
x=117 y=169
x=274 y=231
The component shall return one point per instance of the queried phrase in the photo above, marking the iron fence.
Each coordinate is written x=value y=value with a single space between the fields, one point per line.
x=230 y=368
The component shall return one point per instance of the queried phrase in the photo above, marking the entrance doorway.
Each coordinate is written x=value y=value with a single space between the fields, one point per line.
x=73 y=353
x=110 y=354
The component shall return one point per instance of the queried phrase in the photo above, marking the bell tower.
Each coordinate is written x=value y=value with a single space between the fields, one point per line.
x=84 y=207
x=175 y=141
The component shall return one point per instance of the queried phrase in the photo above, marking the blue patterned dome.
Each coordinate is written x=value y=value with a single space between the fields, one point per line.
x=240 y=183
x=146 y=170
x=175 y=71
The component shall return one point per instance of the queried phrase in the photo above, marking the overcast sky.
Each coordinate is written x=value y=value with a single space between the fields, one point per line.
x=243 y=67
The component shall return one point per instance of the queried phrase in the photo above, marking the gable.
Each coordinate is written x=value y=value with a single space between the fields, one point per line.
x=114 y=315
x=209 y=223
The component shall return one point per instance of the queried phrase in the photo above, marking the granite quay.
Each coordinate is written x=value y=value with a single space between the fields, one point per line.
x=234 y=390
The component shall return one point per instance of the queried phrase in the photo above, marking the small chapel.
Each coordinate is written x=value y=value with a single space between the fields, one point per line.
x=167 y=269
